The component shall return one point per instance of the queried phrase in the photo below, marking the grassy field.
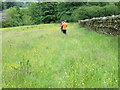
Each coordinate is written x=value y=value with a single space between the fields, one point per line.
x=41 y=56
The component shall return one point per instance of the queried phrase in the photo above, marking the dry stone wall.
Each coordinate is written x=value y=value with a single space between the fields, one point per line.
x=106 y=25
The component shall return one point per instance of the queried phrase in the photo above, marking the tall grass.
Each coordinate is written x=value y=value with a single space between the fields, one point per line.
x=42 y=57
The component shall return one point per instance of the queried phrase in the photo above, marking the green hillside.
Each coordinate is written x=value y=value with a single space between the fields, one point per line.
x=40 y=56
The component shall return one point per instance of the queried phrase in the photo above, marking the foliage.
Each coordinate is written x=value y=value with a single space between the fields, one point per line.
x=87 y=12
x=54 y=12
x=17 y=17
x=7 y=5
x=97 y=3
x=111 y=10
x=22 y=66
x=117 y=4
x=6 y=23
x=43 y=12
x=25 y=15
x=0 y=6
x=65 y=9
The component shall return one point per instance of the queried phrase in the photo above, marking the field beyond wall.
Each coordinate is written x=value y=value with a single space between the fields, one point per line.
x=40 y=56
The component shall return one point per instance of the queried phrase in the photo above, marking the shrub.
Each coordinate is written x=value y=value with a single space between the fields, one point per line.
x=87 y=12
x=6 y=23
x=17 y=17
x=25 y=15
x=80 y=13
x=14 y=16
x=66 y=17
x=110 y=10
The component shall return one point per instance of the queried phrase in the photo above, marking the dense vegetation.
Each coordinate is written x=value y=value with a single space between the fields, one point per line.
x=40 y=56
x=53 y=12
x=7 y=5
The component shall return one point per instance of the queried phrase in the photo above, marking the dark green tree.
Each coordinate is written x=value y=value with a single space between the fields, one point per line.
x=118 y=5
x=65 y=9
x=97 y=3
x=6 y=5
x=45 y=12
x=0 y=6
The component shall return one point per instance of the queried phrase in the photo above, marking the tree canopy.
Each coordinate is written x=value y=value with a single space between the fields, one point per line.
x=52 y=12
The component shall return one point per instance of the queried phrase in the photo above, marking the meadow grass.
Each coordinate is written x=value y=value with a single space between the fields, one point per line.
x=41 y=56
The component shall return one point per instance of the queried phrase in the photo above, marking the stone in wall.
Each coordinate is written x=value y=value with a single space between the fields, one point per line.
x=106 y=25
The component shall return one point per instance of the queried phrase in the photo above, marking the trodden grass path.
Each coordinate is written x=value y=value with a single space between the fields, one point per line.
x=82 y=59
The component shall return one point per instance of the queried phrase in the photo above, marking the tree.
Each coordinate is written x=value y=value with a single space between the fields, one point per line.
x=65 y=9
x=118 y=5
x=6 y=5
x=15 y=16
x=45 y=12
x=0 y=6
x=97 y=3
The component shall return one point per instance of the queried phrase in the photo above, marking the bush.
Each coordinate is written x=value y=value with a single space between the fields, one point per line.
x=81 y=13
x=87 y=12
x=111 y=10
x=25 y=15
x=6 y=24
x=14 y=16
x=17 y=17
x=66 y=17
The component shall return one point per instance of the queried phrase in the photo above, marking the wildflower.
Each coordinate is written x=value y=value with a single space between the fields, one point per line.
x=15 y=66
x=104 y=82
x=12 y=86
x=30 y=84
x=82 y=83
